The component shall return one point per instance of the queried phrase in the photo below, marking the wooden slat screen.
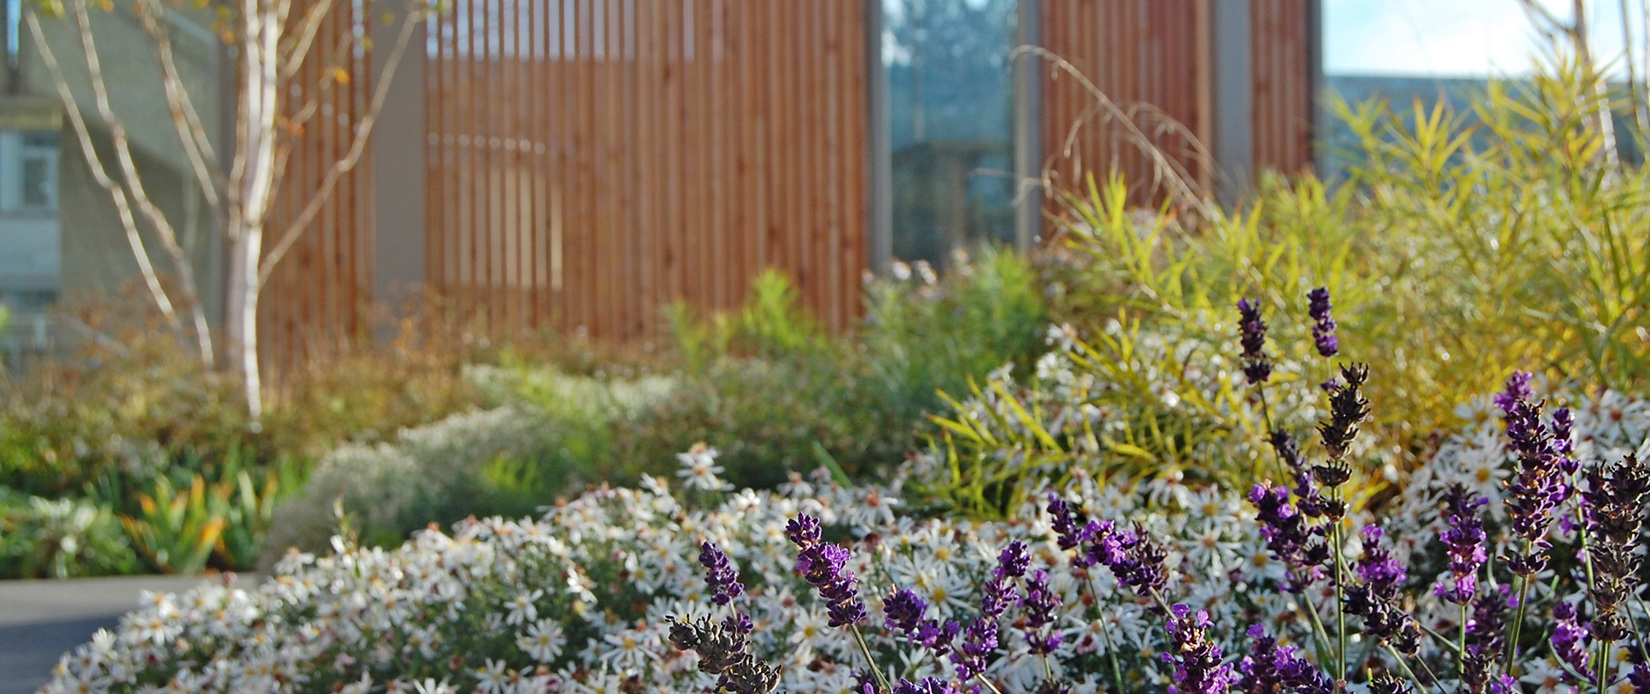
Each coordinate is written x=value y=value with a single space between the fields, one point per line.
x=592 y=160
x=1155 y=55
x=1149 y=57
x=317 y=297
x=1280 y=71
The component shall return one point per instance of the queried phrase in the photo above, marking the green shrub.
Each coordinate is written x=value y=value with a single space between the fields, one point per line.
x=60 y=538
x=774 y=395
x=1443 y=253
x=509 y=461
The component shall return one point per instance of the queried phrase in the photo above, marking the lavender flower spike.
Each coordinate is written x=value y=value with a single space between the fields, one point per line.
x=1256 y=365
x=1376 y=597
x=904 y=610
x=1569 y=641
x=824 y=566
x=1039 y=604
x=1540 y=483
x=1615 y=520
x=1323 y=324
x=1271 y=668
x=1465 y=543
x=1196 y=659
x=720 y=575
x=1014 y=560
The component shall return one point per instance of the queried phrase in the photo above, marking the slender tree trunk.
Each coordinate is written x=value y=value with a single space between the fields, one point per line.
x=242 y=314
x=253 y=177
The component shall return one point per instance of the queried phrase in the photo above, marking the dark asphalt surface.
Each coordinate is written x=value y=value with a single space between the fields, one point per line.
x=41 y=620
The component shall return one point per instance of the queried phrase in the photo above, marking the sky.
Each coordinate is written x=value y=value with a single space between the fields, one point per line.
x=1444 y=38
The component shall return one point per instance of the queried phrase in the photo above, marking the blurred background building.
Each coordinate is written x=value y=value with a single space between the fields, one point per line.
x=571 y=165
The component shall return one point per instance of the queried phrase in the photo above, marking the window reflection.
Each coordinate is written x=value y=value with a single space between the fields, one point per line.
x=949 y=103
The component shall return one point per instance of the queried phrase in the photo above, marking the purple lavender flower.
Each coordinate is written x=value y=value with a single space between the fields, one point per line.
x=1287 y=535
x=1311 y=501
x=928 y=685
x=1464 y=542
x=1517 y=390
x=1385 y=683
x=995 y=598
x=1540 y=482
x=938 y=637
x=722 y=653
x=803 y=530
x=1272 y=669
x=1569 y=641
x=1375 y=597
x=1615 y=517
x=1039 y=604
x=1377 y=567
x=1323 y=324
x=1347 y=408
x=720 y=575
x=1640 y=678
x=865 y=683
x=1564 y=441
x=824 y=566
x=1065 y=525
x=1132 y=556
x=1013 y=561
x=979 y=640
x=1256 y=365
x=1486 y=637
x=1196 y=659
x=904 y=611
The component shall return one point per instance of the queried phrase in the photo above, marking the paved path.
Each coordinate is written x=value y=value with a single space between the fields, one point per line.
x=40 y=620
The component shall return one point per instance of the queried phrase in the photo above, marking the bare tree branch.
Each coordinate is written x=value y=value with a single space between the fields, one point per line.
x=297 y=51
x=123 y=209
x=323 y=87
x=357 y=147
x=196 y=144
x=134 y=184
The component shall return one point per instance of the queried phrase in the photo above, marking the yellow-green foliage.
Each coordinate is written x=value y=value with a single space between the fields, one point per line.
x=1464 y=246
x=1505 y=239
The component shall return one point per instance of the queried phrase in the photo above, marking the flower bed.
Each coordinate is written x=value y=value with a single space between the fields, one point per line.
x=583 y=599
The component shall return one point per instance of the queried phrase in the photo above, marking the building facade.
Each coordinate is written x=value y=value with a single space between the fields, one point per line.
x=572 y=165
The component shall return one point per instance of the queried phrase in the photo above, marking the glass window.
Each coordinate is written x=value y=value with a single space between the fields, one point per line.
x=28 y=172
x=39 y=190
x=950 y=130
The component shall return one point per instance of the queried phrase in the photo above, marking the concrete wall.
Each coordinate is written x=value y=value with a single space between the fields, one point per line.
x=133 y=73
x=96 y=258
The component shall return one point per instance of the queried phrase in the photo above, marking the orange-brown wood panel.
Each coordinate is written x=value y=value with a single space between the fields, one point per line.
x=614 y=156
x=314 y=299
x=1153 y=60
x=1281 y=73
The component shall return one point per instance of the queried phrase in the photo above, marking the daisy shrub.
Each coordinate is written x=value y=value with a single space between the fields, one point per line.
x=1510 y=561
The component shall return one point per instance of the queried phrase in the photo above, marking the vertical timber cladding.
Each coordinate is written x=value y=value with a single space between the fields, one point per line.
x=1145 y=58
x=593 y=160
x=315 y=301
x=1280 y=53
x=1152 y=59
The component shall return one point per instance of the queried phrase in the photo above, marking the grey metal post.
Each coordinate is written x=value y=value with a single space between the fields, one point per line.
x=398 y=151
x=1234 y=108
x=1028 y=126
x=879 y=159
